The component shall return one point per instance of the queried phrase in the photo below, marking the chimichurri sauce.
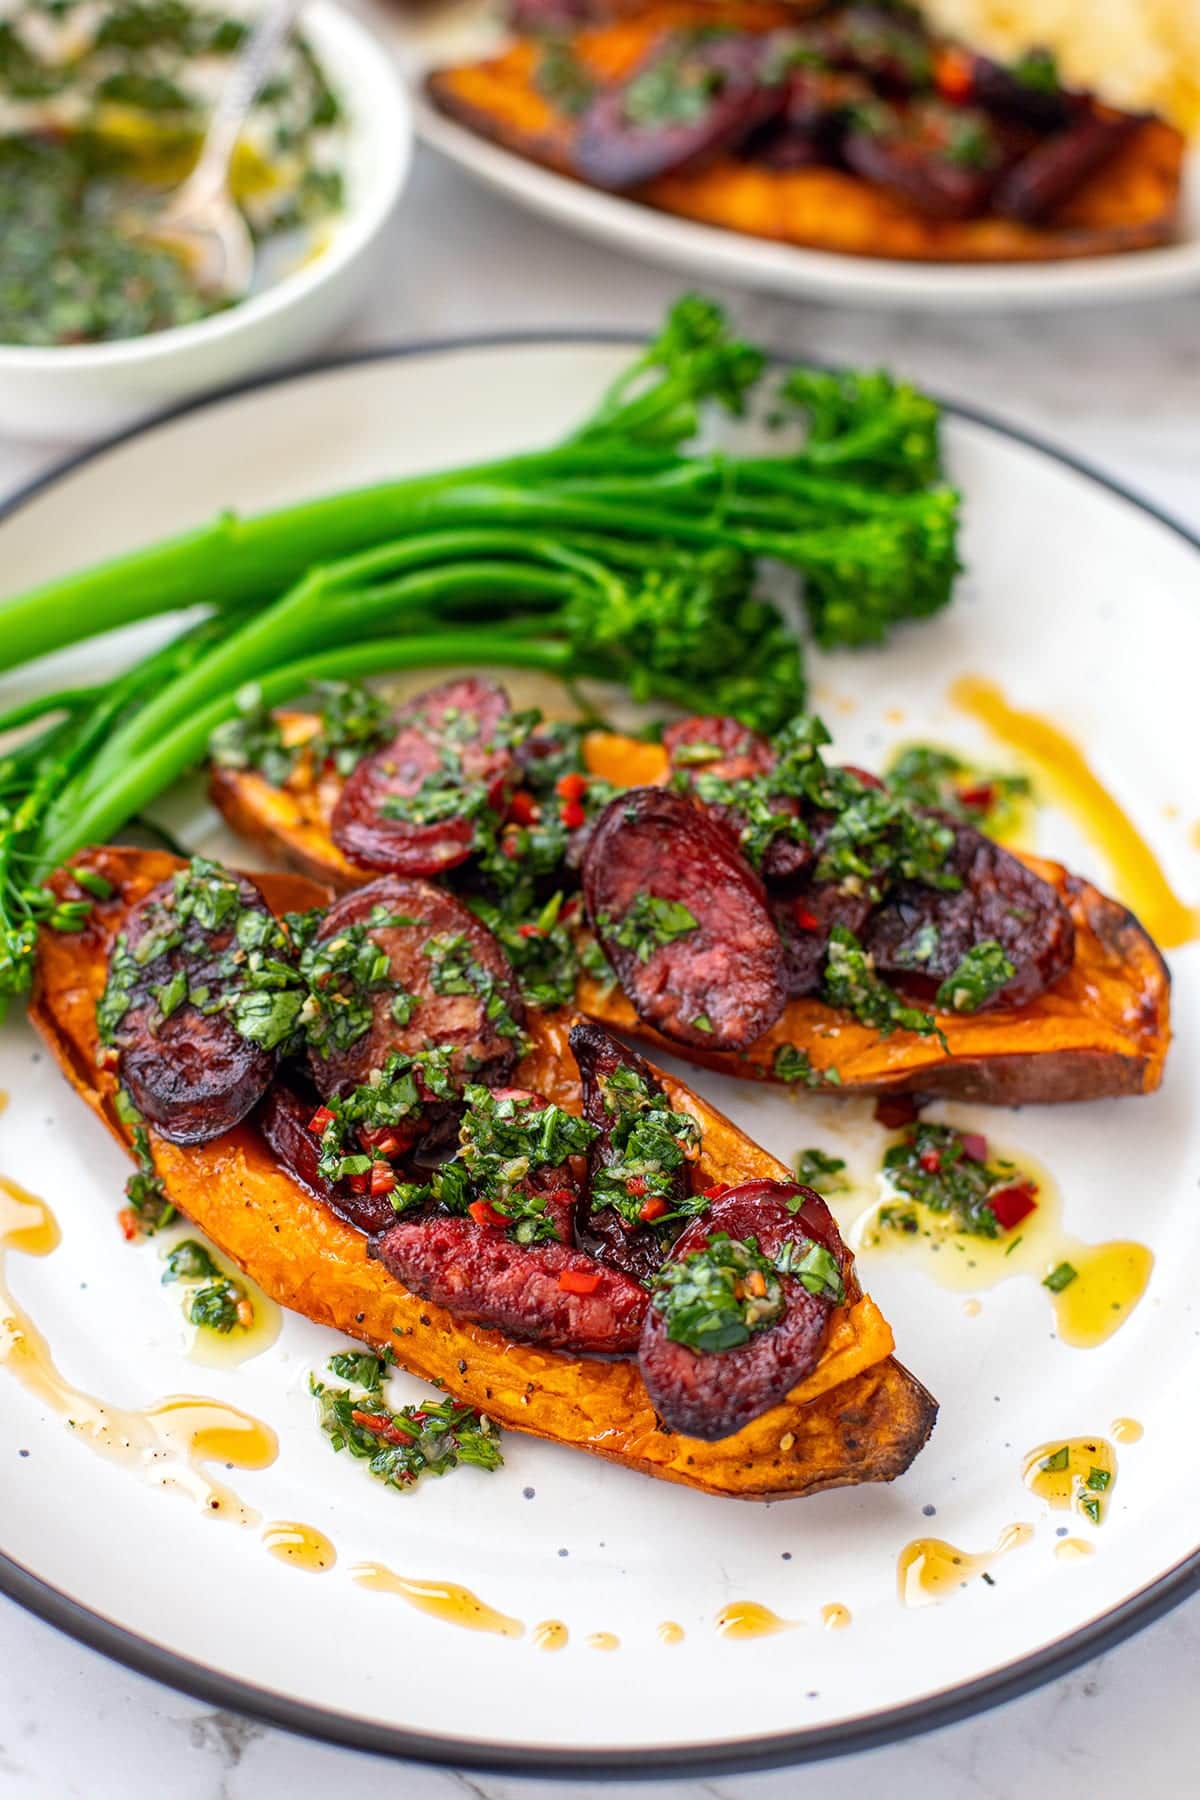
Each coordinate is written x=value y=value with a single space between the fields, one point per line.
x=102 y=110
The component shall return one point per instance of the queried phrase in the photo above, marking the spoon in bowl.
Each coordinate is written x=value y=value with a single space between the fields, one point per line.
x=201 y=221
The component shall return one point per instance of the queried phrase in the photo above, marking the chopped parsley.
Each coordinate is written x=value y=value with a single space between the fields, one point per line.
x=352 y=723
x=253 y=980
x=981 y=974
x=145 y=1195
x=851 y=984
x=539 y=946
x=793 y=1065
x=646 y=1146
x=813 y=1266
x=395 y=1092
x=214 y=1301
x=932 y=1164
x=717 y=1297
x=502 y=1141
x=561 y=78
x=1061 y=1277
x=677 y=88
x=649 y=922
x=399 y=1446
x=342 y=974
x=826 y=1174
x=928 y=776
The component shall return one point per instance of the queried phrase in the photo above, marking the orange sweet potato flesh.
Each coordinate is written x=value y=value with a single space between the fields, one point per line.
x=1101 y=1031
x=1129 y=204
x=858 y=1417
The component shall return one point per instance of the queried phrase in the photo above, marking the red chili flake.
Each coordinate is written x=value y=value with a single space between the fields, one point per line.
x=570 y=909
x=510 y=845
x=897 y=1110
x=654 y=1208
x=571 y=787
x=716 y=1190
x=977 y=798
x=953 y=76
x=392 y=1430
x=359 y=1183
x=579 y=1281
x=864 y=775
x=636 y=1186
x=807 y=921
x=572 y=815
x=975 y=1145
x=127 y=1219
x=530 y=931
x=523 y=808
x=484 y=1213
x=562 y=1197
x=1012 y=1204
x=930 y=1161
x=383 y=1178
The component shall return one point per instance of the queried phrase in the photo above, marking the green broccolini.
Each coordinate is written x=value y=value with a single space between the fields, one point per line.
x=616 y=555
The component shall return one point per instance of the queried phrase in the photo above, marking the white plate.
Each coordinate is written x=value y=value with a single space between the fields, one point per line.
x=711 y=253
x=1084 y=607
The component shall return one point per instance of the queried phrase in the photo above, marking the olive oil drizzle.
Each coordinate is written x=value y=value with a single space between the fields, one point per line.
x=444 y=1600
x=749 y=1619
x=168 y=1442
x=930 y=1570
x=1066 y=775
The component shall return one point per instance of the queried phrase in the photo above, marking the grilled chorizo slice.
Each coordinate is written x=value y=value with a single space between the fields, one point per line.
x=547 y=1294
x=284 y=1120
x=411 y=807
x=710 y=757
x=620 y=1091
x=923 y=933
x=172 y=983
x=711 y=1393
x=688 y=99
x=683 y=919
x=410 y=968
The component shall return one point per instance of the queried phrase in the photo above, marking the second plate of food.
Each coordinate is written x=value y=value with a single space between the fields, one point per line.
x=1033 y=1265
x=834 y=151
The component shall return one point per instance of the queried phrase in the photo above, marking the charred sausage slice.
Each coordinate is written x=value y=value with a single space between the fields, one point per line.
x=924 y=932
x=805 y=921
x=687 y=100
x=710 y=757
x=683 y=919
x=283 y=1118
x=476 y=1272
x=633 y=1245
x=190 y=1071
x=411 y=807
x=440 y=979
x=711 y=1394
x=1049 y=175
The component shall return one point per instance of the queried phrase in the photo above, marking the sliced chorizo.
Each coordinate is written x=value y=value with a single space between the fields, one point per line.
x=284 y=1120
x=707 y=751
x=684 y=921
x=636 y=1248
x=923 y=933
x=547 y=1294
x=191 y=1073
x=805 y=921
x=711 y=1394
x=441 y=979
x=411 y=807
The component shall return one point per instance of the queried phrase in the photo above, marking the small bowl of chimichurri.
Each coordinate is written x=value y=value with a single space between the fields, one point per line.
x=103 y=107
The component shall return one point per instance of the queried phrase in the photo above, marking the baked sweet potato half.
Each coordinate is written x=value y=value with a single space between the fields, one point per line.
x=1129 y=201
x=859 y=1416
x=1100 y=1031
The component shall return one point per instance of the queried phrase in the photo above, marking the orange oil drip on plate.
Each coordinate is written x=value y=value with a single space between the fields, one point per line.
x=300 y=1546
x=669 y=1632
x=749 y=1619
x=835 y=1617
x=167 y=1443
x=603 y=1640
x=1066 y=774
x=444 y=1600
x=551 y=1634
x=1127 y=1431
x=930 y=1569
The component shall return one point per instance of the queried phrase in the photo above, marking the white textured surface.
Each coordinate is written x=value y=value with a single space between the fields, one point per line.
x=1118 y=388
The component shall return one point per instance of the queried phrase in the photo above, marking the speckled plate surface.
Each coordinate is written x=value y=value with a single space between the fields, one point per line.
x=1082 y=607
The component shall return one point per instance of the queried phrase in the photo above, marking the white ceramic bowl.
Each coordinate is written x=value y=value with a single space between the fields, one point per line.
x=81 y=390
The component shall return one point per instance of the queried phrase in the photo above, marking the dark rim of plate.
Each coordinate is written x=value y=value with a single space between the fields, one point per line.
x=714 y=1758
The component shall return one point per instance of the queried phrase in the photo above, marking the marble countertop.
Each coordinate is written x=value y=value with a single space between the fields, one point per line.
x=1119 y=388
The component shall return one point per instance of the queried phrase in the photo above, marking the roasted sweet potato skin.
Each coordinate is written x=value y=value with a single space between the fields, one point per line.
x=859 y=1417
x=1130 y=204
x=1101 y=1031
